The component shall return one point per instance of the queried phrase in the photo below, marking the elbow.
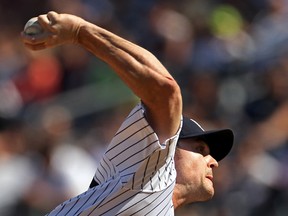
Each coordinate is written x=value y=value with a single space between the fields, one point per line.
x=175 y=96
x=163 y=94
x=171 y=95
x=172 y=89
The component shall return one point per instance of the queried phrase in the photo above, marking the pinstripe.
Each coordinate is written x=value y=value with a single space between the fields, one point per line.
x=144 y=174
x=117 y=197
x=135 y=154
x=158 y=199
x=124 y=201
x=72 y=207
x=154 y=200
x=99 y=204
x=86 y=201
x=122 y=141
x=59 y=209
x=134 y=111
x=107 y=166
x=138 y=162
x=162 y=200
x=136 y=175
x=130 y=125
x=104 y=168
x=128 y=174
x=98 y=180
x=139 y=209
x=155 y=168
x=124 y=150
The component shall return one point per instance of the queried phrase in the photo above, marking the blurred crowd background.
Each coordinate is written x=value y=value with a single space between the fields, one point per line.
x=60 y=107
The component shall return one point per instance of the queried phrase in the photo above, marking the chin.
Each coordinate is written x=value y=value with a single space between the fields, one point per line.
x=209 y=191
x=208 y=194
x=205 y=198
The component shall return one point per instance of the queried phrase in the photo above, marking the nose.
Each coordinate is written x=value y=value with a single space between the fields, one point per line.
x=211 y=162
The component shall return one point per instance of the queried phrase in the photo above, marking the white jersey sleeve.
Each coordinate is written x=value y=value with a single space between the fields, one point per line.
x=136 y=175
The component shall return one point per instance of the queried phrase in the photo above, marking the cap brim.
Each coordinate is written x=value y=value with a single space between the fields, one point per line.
x=220 y=142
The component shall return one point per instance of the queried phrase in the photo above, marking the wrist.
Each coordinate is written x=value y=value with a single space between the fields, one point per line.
x=78 y=32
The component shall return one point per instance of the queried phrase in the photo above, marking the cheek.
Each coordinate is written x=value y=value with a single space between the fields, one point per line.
x=190 y=167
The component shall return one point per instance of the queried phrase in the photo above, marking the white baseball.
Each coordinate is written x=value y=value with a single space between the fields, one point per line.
x=33 y=27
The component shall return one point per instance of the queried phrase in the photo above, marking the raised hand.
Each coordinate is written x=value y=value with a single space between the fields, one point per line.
x=57 y=29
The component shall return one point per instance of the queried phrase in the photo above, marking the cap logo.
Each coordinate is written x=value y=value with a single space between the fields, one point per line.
x=197 y=124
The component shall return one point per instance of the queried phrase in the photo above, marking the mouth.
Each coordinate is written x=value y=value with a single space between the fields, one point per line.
x=210 y=177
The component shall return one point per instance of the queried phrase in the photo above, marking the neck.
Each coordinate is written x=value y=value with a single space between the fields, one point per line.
x=178 y=198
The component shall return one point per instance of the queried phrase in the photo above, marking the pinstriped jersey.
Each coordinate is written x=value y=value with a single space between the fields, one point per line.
x=136 y=175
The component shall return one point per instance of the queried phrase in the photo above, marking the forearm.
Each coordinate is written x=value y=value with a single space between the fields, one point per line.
x=137 y=67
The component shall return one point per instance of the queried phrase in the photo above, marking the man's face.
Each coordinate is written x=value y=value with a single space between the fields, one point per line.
x=194 y=166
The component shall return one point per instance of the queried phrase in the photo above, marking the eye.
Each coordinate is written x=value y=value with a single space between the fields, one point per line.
x=202 y=148
x=194 y=145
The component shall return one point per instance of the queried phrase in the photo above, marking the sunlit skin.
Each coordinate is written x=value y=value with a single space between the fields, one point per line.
x=194 y=166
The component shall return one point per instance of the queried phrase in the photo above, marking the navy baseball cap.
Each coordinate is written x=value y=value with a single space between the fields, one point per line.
x=220 y=141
